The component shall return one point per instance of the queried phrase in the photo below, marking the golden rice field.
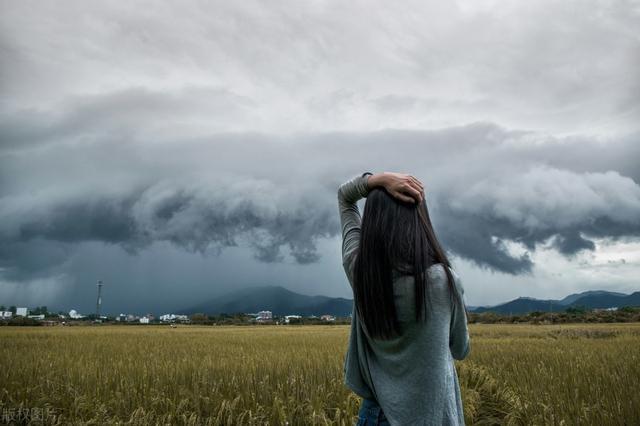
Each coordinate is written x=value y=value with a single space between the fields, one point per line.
x=277 y=375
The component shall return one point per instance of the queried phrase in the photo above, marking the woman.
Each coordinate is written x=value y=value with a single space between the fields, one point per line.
x=409 y=319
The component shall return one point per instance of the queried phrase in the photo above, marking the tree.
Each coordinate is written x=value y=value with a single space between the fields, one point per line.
x=40 y=310
x=578 y=310
x=199 y=318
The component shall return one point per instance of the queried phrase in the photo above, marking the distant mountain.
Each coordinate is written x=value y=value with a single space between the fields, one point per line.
x=573 y=297
x=282 y=301
x=608 y=300
x=587 y=299
x=523 y=305
x=276 y=299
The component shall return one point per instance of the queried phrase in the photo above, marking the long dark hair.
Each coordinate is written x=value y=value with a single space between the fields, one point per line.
x=394 y=235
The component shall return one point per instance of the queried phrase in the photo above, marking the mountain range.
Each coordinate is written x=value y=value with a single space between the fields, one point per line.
x=277 y=299
x=587 y=299
x=281 y=301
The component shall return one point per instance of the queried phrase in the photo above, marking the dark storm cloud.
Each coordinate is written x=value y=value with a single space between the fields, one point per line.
x=486 y=185
x=536 y=204
x=195 y=218
x=198 y=148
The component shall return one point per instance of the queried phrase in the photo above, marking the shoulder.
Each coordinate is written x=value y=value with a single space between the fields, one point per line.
x=438 y=274
x=437 y=270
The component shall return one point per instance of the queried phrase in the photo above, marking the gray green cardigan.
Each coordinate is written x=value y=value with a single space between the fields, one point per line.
x=413 y=377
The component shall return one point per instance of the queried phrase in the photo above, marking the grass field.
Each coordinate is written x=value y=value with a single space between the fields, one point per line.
x=516 y=374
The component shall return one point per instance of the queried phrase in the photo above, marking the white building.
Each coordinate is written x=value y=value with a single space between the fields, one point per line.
x=6 y=314
x=173 y=318
x=144 y=320
x=37 y=317
x=22 y=312
x=264 y=316
x=328 y=318
x=288 y=318
x=73 y=314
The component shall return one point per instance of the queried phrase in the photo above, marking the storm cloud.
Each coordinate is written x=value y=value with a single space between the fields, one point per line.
x=227 y=128
x=279 y=192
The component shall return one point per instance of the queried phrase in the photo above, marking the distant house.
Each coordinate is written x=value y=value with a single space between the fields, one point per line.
x=174 y=318
x=73 y=314
x=144 y=320
x=22 y=312
x=328 y=318
x=37 y=317
x=264 y=316
x=288 y=318
x=6 y=314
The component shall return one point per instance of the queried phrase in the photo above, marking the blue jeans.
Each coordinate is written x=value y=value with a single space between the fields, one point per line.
x=371 y=414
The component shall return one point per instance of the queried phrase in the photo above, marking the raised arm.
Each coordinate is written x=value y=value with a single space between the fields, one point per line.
x=459 y=343
x=402 y=186
x=349 y=193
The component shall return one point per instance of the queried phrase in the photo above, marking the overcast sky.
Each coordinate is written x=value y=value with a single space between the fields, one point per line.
x=181 y=150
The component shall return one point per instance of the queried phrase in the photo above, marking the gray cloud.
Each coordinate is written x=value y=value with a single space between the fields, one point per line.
x=486 y=184
x=205 y=142
x=195 y=218
x=309 y=67
x=535 y=204
x=120 y=114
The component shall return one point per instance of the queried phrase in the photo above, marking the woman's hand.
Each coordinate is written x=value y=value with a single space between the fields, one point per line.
x=402 y=186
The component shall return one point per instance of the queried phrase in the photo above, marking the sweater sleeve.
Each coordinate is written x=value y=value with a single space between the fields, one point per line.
x=459 y=343
x=349 y=193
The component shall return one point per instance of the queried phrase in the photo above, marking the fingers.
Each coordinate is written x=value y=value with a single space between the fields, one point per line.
x=417 y=185
x=415 y=193
x=408 y=194
x=419 y=192
x=405 y=198
x=417 y=182
x=414 y=188
x=407 y=188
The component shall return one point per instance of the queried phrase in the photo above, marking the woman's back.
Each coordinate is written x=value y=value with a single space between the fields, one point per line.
x=439 y=314
x=412 y=376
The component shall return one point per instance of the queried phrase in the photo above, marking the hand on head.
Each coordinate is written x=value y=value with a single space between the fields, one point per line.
x=400 y=185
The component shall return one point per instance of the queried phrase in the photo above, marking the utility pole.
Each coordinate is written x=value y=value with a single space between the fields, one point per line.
x=99 y=300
